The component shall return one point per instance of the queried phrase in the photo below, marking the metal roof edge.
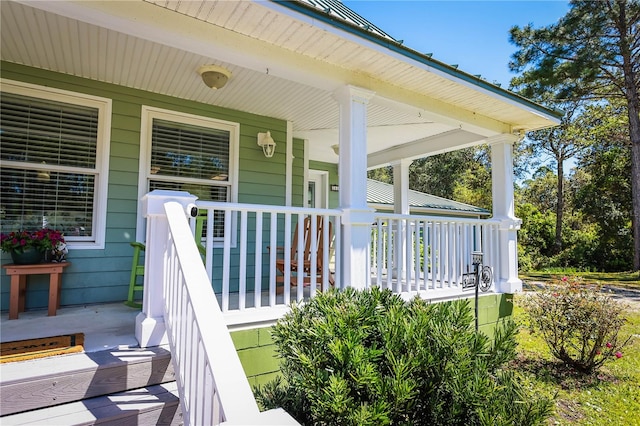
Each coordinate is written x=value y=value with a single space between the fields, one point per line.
x=471 y=206
x=415 y=55
x=433 y=211
x=457 y=207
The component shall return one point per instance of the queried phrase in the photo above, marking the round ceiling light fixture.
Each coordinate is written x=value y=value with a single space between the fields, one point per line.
x=214 y=76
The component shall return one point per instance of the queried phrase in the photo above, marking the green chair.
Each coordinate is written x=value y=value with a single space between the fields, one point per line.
x=137 y=270
x=200 y=219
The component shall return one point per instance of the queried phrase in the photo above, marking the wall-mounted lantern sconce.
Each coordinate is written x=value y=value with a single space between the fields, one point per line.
x=336 y=149
x=214 y=76
x=267 y=143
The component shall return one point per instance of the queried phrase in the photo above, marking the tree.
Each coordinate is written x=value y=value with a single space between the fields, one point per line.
x=438 y=174
x=603 y=194
x=535 y=239
x=562 y=143
x=604 y=200
x=592 y=53
x=474 y=186
x=382 y=174
x=541 y=190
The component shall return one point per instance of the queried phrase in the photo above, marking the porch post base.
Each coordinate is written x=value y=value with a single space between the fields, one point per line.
x=356 y=234
x=150 y=331
x=512 y=285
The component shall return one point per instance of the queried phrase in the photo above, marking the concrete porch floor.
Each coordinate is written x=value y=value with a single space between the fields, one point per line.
x=112 y=325
x=105 y=326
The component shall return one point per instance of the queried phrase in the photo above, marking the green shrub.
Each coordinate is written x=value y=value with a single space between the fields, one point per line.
x=369 y=358
x=579 y=324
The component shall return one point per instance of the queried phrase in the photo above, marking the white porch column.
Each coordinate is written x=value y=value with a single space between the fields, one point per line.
x=401 y=206
x=401 y=186
x=352 y=169
x=150 y=328
x=506 y=277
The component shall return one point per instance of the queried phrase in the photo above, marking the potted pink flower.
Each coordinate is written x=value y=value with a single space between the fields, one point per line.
x=27 y=247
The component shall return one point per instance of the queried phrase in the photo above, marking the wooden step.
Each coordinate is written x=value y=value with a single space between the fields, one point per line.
x=151 y=405
x=47 y=382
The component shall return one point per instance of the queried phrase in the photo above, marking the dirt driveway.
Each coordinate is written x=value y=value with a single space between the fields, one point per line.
x=627 y=296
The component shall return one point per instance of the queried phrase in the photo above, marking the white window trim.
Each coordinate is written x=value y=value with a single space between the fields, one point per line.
x=104 y=107
x=148 y=115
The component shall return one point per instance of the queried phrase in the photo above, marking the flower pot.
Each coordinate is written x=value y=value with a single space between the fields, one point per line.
x=28 y=256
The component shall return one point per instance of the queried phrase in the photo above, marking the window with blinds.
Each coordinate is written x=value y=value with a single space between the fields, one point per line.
x=192 y=154
x=48 y=165
x=186 y=151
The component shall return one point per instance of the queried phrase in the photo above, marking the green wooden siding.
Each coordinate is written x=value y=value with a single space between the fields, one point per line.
x=98 y=276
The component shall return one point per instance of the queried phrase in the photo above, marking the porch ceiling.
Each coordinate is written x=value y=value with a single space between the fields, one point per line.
x=285 y=64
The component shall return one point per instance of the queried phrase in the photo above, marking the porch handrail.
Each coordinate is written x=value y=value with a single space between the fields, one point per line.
x=244 y=234
x=420 y=253
x=212 y=384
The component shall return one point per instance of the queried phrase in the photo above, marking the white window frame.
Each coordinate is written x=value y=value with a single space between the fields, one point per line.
x=101 y=171
x=146 y=131
x=321 y=179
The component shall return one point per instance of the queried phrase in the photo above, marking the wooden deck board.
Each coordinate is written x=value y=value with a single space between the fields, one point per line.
x=41 y=383
x=152 y=405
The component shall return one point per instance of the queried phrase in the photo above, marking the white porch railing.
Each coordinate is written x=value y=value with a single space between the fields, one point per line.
x=429 y=255
x=212 y=384
x=409 y=254
x=251 y=253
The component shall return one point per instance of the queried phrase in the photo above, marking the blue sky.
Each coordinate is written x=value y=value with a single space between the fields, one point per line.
x=472 y=34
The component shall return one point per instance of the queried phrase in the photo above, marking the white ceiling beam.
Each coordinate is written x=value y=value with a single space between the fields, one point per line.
x=438 y=144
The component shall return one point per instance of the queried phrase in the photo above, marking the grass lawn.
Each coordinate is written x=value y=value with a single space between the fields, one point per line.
x=620 y=279
x=611 y=396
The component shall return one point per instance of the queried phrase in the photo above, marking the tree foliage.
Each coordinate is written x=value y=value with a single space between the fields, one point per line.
x=592 y=53
x=561 y=143
x=463 y=175
x=382 y=174
x=605 y=200
x=597 y=215
x=438 y=174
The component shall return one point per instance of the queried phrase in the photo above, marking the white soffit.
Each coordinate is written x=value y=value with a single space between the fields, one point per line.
x=282 y=65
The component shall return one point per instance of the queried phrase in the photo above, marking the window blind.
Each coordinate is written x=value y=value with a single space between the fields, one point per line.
x=37 y=130
x=186 y=157
x=48 y=169
x=189 y=151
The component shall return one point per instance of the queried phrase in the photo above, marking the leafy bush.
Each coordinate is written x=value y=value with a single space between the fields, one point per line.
x=579 y=324
x=369 y=358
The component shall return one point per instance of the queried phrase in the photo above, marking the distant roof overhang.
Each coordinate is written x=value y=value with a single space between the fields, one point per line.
x=380 y=195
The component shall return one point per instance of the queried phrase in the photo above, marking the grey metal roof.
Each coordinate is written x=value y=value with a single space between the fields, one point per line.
x=380 y=193
x=336 y=9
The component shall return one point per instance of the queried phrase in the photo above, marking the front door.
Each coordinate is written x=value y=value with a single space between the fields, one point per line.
x=317 y=195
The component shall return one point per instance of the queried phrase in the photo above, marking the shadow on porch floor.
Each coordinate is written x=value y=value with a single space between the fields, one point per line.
x=105 y=326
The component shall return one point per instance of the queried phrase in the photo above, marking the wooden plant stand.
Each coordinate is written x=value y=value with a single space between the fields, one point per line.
x=18 y=274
